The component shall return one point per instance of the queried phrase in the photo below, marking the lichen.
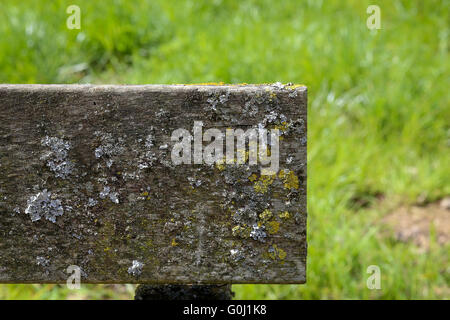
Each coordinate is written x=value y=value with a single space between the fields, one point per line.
x=262 y=185
x=241 y=231
x=42 y=205
x=289 y=178
x=194 y=182
x=276 y=253
x=278 y=85
x=136 y=268
x=272 y=227
x=109 y=149
x=42 y=261
x=281 y=254
x=92 y=202
x=220 y=164
x=283 y=126
x=284 y=215
x=215 y=101
x=294 y=86
x=236 y=255
x=258 y=233
x=106 y=192
x=149 y=141
x=265 y=215
x=57 y=156
x=204 y=84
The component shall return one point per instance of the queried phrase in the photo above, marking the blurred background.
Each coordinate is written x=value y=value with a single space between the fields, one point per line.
x=379 y=116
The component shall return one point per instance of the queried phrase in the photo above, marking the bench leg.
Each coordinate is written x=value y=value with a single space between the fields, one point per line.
x=184 y=292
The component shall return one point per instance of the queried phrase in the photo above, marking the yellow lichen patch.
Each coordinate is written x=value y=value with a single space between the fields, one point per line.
x=213 y=84
x=289 y=178
x=220 y=164
x=265 y=215
x=291 y=181
x=174 y=242
x=274 y=252
x=272 y=227
x=284 y=215
x=281 y=254
x=272 y=96
x=272 y=255
x=241 y=231
x=205 y=84
x=262 y=185
x=294 y=86
x=283 y=127
x=253 y=177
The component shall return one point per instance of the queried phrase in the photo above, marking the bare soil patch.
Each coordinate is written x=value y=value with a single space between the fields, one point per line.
x=415 y=223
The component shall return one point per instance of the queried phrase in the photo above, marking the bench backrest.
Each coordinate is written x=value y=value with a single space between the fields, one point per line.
x=128 y=183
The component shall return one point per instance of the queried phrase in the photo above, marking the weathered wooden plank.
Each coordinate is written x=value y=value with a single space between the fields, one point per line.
x=87 y=179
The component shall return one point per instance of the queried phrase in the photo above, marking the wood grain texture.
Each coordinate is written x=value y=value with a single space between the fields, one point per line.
x=86 y=179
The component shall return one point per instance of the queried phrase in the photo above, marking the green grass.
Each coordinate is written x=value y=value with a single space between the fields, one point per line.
x=378 y=114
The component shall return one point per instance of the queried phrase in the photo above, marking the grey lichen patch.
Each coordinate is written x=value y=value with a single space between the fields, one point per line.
x=250 y=108
x=278 y=85
x=57 y=156
x=92 y=202
x=150 y=140
x=109 y=149
x=42 y=205
x=148 y=157
x=42 y=261
x=106 y=192
x=216 y=101
x=258 y=233
x=246 y=215
x=303 y=141
x=273 y=117
x=236 y=255
x=194 y=182
x=254 y=103
x=148 y=160
x=136 y=268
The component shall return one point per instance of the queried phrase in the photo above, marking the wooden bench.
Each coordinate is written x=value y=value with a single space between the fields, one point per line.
x=88 y=179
